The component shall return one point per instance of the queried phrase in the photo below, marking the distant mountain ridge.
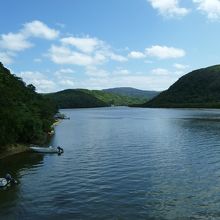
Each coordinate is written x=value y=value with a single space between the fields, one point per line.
x=84 y=98
x=199 y=88
x=132 y=92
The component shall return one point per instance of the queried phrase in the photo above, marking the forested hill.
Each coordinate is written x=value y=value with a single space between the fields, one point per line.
x=132 y=92
x=83 y=98
x=25 y=116
x=200 y=88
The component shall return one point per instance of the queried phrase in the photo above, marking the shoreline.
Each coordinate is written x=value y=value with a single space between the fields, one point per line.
x=13 y=150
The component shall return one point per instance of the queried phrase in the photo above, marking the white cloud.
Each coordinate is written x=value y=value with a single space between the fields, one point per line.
x=86 y=51
x=164 y=52
x=64 y=55
x=14 y=42
x=39 y=80
x=116 y=57
x=160 y=72
x=99 y=78
x=157 y=79
x=64 y=78
x=39 y=29
x=180 y=66
x=6 y=58
x=19 y=41
x=169 y=8
x=210 y=7
x=136 y=55
x=86 y=45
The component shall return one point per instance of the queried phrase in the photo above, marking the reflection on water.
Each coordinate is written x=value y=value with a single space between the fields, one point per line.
x=121 y=163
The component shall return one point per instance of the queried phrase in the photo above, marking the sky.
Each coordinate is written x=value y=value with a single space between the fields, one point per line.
x=97 y=44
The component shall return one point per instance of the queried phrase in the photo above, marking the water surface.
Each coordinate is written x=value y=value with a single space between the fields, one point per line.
x=121 y=163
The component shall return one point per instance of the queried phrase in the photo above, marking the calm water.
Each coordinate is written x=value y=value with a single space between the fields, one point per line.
x=121 y=163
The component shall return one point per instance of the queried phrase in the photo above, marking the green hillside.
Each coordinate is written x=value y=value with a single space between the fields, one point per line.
x=200 y=88
x=83 y=98
x=25 y=116
x=132 y=92
x=75 y=98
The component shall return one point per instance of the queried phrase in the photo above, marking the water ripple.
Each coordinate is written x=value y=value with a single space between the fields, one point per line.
x=121 y=164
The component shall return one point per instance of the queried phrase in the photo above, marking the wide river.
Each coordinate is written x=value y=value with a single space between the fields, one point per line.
x=121 y=163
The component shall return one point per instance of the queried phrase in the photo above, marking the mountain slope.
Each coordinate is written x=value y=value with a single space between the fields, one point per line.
x=25 y=116
x=75 y=98
x=199 y=88
x=83 y=98
x=132 y=92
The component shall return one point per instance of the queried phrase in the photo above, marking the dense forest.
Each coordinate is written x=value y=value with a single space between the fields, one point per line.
x=197 y=89
x=132 y=92
x=25 y=116
x=83 y=98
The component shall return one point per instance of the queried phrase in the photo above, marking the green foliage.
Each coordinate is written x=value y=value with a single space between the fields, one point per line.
x=198 y=89
x=83 y=98
x=25 y=116
x=75 y=99
x=132 y=92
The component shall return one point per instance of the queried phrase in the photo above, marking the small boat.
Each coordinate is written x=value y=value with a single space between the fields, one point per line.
x=3 y=182
x=51 y=150
x=7 y=181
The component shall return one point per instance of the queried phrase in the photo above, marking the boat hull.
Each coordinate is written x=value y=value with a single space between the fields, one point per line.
x=51 y=150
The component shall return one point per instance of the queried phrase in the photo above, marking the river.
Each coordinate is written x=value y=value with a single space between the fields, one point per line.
x=121 y=163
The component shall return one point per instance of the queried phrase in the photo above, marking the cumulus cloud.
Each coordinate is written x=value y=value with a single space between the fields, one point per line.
x=116 y=57
x=64 y=78
x=39 y=80
x=209 y=7
x=136 y=55
x=64 y=55
x=39 y=29
x=44 y=84
x=5 y=57
x=99 y=78
x=83 y=52
x=164 y=52
x=14 y=42
x=21 y=40
x=180 y=66
x=160 y=72
x=169 y=8
x=86 y=45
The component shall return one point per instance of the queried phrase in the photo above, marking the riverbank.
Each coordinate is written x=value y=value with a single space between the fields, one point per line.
x=13 y=149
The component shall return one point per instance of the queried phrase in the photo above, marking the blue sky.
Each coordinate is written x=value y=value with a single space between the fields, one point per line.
x=95 y=44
